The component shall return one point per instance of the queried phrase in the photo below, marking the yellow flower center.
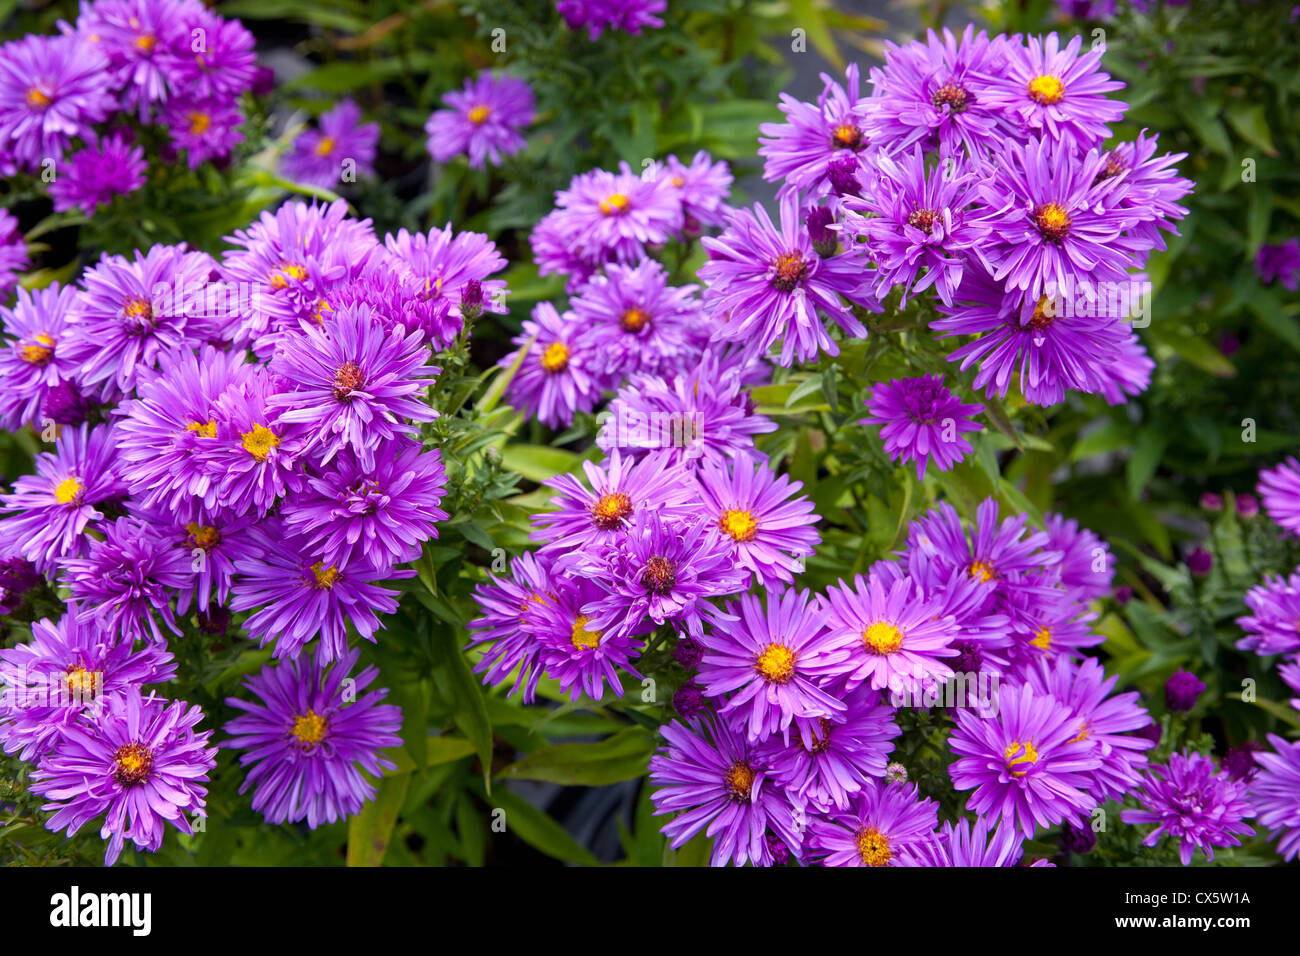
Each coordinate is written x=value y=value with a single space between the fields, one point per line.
x=614 y=204
x=132 y=763
x=1082 y=734
x=206 y=429
x=39 y=352
x=788 y=270
x=1042 y=638
x=280 y=280
x=979 y=569
x=776 y=663
x=846 y=136
x=1040 y=319
x=146 y=42
x=137 y=308
x=479 y=115
x=203 y=536
x=634 y=319
x=883 y=637
x=740 y=781
x=1053 y=221
x=873 y=847
x=609 y=510
x=309 y=729
x=325 y=577
x=326 y=146
x=68 y=490
x=260 y=441
x=1020 y=753
x=200 y=123
x=555 y=357
x=38 y=98
x=82 y=683
x=740 y=524
x=1046 y=90
x=583 y=636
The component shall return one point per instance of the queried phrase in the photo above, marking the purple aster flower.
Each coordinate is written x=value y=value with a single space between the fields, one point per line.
x=353 y=385
x=48 y=512
x=629 y=16
x=923 y=422
x=689 y=701
x=144 y=41
x=1239 y=762
x=505 y=626
x=483 y=121
x=768 y=284
x=254 y=455
x=635 y=322
x=661 y=568
x=226 y=65
x=1195 y=802
x=688 y=652
x=209 y=545
x=574 y=651
x=1181 y=690
x=1279 y=263
x=702 y=187
x=1053 y=347
x=711 y=777
x=297 y=596
x=832 y=758
x=884 y=821
x=965 y=845
x=1247 y=505
x=399 y=299
x=31 y=362
x=558 y=373
x=165 y=434
x=1275 y=794
x=203 y=129
x=1059 y=221
x=1056 y=92
x=798 y=152
x=131 y=311
x=1273 y=626
x=1047 y=622
x=1199 y=562
x=1152 y=191
x=553 y=250
x=917 y=225
x=614 y=216
x=991 y=551
x=381 y=515
x=13 y=252
x=701 y=416
x=936 y=94
x=451 y=267
x=594 y=514
x=309 y=736
x=770 y=531
x=341 y=145
x=126 y=581
x=112 y=166
x=896 y=634
x=1087 y=567
x=141 y=762
x=292 y=259
x=1027 y=763
x=772 y=662
x=1279 y=487
x=1107 y=721
x=51 y=90
x=68 y=668
x=1127 y=374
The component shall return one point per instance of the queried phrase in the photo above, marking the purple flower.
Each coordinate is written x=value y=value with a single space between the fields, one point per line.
x=31 y=362
x=884 y=822
x=144 y=40
x=1194 y=802
x=309 y=736
x=1181 y=690
x=353 y=386
x=483 y=121
x=1239 y=762
x=341 y=144
x=702 y=187
x=297 y=596
x=1200 y=561
x=126 y=581
x=689 y=701
x=398 y=299
x=1273 y=626
x=131 y=311
x=51 y=90
x=1211 y=502
x=450 y=267
x=254 y=455
x=711 y=777
x=917 y=225
x=113 y=166
x=962 y=844
x=141 y=762
x=1087 y=567
x=13 y=251
x=832 y=758
x=48 y=512
x=596 y=514
x=1247 y=505
x=505 y=625
x=558 y=375
x=936 y=94
x=768 y=284
x=688 y=652
x=575 y=652
x=1152 y=188
x=1279 y=263
x=69 y=667
x=923 y=422
x=1279 y=487
x=606 y=216
x=772 y=662
x=897 y=636
x=225 y=67
x=379 y=516
x=992 y=551
x=1275 y=794
x=629 y=16
x=1056 y=92
x=770 y=530
x=203 y=129
x=209 y=545
x=1027 y=763
x=797 y=153
x=697 y=417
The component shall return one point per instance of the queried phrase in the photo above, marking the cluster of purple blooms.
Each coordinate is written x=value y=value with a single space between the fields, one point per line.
x=70 y=103
x=597 y=16
x=189 y=481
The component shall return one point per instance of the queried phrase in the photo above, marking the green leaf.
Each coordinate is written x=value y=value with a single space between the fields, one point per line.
x=621 y=757
x=470 y=710
x=1250 y=120
x=538 y=830
x=538 y=462
x=371 y=829
x=1145 y=458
